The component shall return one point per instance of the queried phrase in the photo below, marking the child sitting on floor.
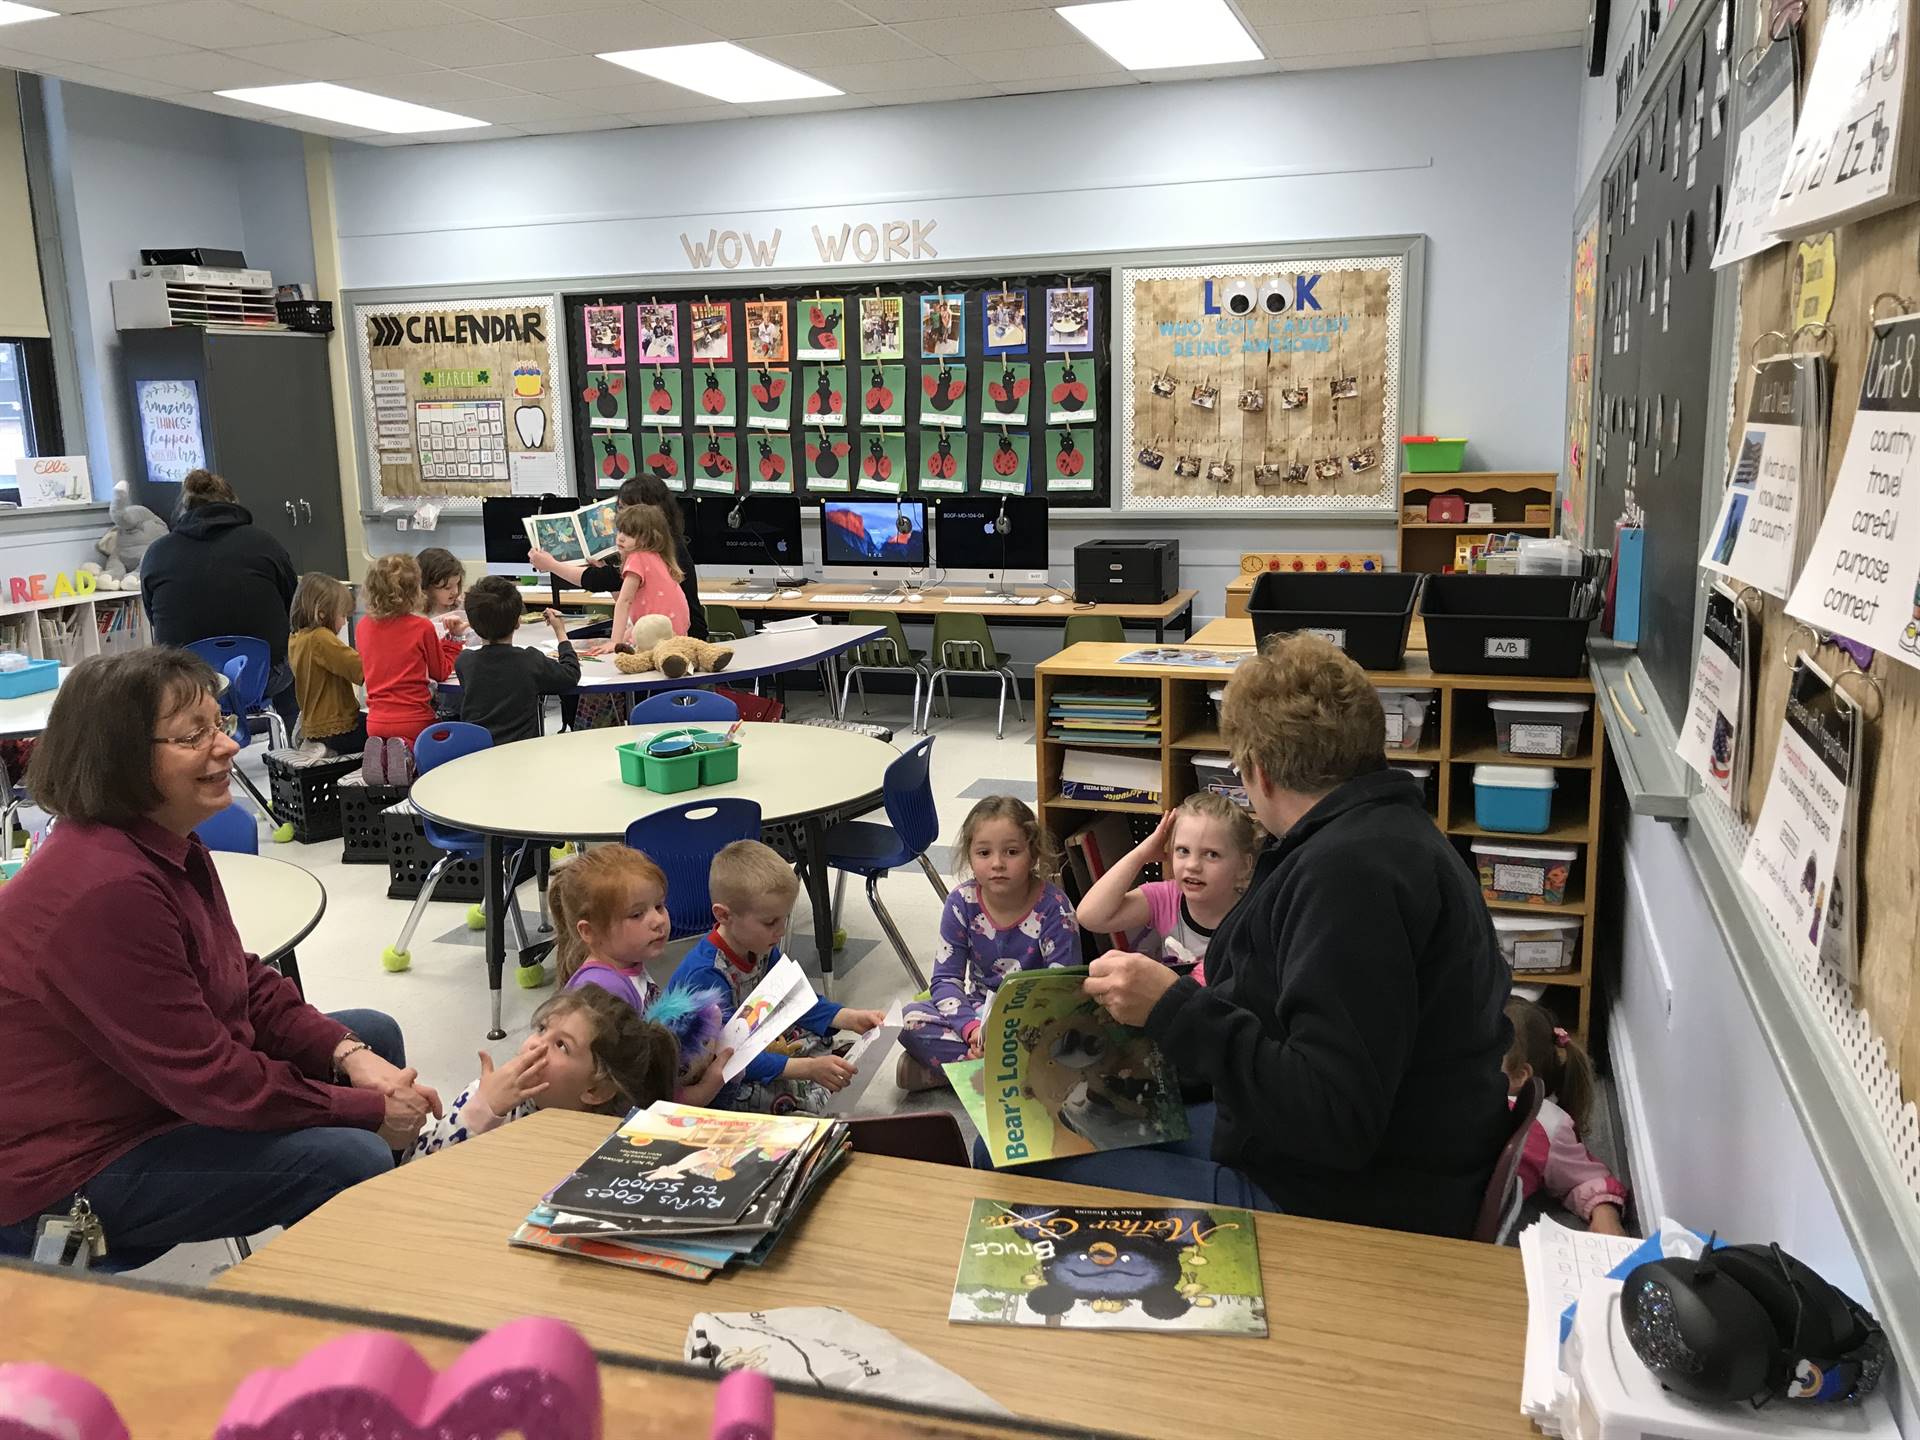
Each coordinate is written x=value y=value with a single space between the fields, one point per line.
x=1554 y=1159
x=1206 y=850
x=401 y=656
x=586 y=1051
x=501 y=683
x=752 y=890
x=325 y=667
x=1007 y=915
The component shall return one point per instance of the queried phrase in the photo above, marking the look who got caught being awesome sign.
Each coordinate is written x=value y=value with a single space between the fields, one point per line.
x=1862 y=578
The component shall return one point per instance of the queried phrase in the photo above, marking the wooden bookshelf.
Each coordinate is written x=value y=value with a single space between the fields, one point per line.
x=71 y=628
x=1465 y=738
x=1427 y=546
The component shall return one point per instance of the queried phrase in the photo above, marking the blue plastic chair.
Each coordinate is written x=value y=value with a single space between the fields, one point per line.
x=436 y=745
x=246 y=662
x=869 y=849
x=675 y=707
x=232 y=829
x=682 y=842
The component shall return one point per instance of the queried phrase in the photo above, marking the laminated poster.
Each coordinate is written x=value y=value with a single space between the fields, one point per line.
x=827 y=469
x=883 y=463
x=1003 y=322
x=715 y=398
x=822 y=326
x=712 y=324
x=656 y=333
x=1841 y=163
x=606 y=396
x=661 y=398
x=1069 y=461
x=1759 y=158
x=943 y=462
x=606 y=331
x=1753 y=539
x=1006 y=389
x=766 y=332
x=1003 y=463
x=825 y=398
x=1710 y=735
x=943 y=327
x=612 y=459
x=882 y=328
x=1863 y=573
x=943 y=395
x=883 y=400
x=770 y=464
x=1071 y=392
x=769 y=398
x=665 y=456
x=716 y=462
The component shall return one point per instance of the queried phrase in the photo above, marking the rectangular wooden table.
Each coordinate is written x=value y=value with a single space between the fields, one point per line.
x=1372 y=1333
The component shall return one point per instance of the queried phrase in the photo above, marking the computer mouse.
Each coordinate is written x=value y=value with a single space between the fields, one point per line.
x=1056 y=599
x=789 y=594
x=916 y=599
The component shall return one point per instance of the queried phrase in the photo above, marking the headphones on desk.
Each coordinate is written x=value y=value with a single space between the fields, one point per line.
x=1750 y=1322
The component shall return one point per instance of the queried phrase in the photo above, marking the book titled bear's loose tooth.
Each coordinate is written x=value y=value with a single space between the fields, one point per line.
x=1111 y=1268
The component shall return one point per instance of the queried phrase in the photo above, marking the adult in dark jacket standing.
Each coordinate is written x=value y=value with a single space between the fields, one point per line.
x=602 y=577
x=218 y=573
x=1351 y=1028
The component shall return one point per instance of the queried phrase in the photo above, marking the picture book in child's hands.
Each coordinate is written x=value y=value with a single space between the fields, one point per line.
x=969 y=1083
x=584 y=534
x=776 y=1003
x=1111 y=1268
x=1063 y=1077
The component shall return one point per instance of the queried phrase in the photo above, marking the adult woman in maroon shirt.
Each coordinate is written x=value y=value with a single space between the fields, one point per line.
x=147 y=1062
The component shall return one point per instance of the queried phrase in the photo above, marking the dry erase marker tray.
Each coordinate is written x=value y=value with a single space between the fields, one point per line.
x=677 y=760
x=34 y=677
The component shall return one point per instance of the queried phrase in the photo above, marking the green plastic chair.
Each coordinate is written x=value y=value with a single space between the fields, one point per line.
x=724 y=623
x=886 y=654
x=1101 y=629
x=962 y=645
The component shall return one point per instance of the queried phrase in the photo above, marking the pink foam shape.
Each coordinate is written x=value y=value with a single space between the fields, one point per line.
x=534 y=1376
x=38 y=1402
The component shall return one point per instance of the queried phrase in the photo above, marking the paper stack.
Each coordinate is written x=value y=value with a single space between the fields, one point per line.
x=1559 y=1262
x=1101 y=717
x=687 y=1191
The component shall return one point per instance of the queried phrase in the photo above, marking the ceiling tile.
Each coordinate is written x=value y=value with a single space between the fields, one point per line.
x=1042 y=85
x=628 y=27
x=108 y=79
x=203 y=70
x=689 y=115
x=554 y=77
x=971 y=35
x=1048 y=61
x=745 y=19
x=805 y=107
x=88 y=41
x=930 y=94
x=472 y=43
x=570 y=127
x=213 y=24
x=82 y=7
x=1351 y=33
x=1265 y=14
x=333 y=57
x=518 y=109
x=522 y=9
x=892 y=75
x=890 y=12
x=445 y=89
x=1510 y=19
x=1562 y=40
x=863 y=44
x=637 y=97
x=1341 y=60
x=366 y=17
x=1209 y=72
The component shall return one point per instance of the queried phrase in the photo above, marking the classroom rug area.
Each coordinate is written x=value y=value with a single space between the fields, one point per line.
x=441 y=1002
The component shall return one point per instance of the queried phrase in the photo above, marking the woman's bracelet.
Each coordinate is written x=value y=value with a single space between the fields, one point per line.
x=340 y=1060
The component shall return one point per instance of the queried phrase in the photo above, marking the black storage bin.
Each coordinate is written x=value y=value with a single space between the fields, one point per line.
x=1367 y=616
x=1504 y=625
x=410 y=855
x=360 y=811
x=308 y=796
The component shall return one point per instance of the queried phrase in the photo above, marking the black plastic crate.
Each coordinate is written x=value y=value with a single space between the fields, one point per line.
x=360 y=823
x=312 y=317
x=1504 y=625
x=410 y=855
x=308 y=796
x=1367 y=616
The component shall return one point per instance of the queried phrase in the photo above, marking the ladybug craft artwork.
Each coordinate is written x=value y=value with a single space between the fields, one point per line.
x=876 y=466
x=1072 y=459
x=878 y=399
x=824 y=457
x=603 y=394
x=943 y=387
x=1006 y=459
x=659 y=398
x=941 y=464
x=772 y=465
x=614 y=465
x=713 y=399
x=1071 y=392
x=824 y=399
x=660 y=462
x=823 y=328
x=769 y=389
x=713 y=463
x=1009 y=392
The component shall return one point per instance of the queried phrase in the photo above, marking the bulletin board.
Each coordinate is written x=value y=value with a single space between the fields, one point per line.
x=1580 y=347
x=1294 y=406
x=929 y=380
x=457 y=398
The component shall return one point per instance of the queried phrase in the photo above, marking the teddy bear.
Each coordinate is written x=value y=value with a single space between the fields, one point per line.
x=122 y=548
x=656 y=647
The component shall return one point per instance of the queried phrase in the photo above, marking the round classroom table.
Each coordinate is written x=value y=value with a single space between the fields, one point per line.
x=568 y=786
x=274 y=903
x=27 y=716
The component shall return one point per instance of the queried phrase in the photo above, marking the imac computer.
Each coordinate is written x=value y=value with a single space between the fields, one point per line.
x=747 y=538
x=507 y=546
x=1000 y=539
x=878 y=541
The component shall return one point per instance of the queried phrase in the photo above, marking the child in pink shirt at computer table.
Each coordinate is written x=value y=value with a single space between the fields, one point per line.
x=649 y=575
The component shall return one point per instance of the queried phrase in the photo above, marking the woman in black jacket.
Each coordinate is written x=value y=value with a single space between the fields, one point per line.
x=217 y=573
x=1352 y=1026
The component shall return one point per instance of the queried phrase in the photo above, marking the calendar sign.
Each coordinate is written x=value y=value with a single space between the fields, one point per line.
x=1843 y=162
x=461 y=439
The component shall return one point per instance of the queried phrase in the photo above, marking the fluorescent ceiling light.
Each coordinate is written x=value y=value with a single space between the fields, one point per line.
x=12 y=14
x=1161 y=34
x=725 y=71
x=352 y=107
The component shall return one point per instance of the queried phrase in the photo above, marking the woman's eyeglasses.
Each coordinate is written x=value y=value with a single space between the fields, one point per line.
x=202 y=738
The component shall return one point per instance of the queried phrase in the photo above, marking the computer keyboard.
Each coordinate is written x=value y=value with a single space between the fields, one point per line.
x=721 y=597
x=871 y=597
x=995 y=599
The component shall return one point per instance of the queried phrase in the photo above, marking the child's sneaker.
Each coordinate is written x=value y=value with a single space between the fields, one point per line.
x=912 y=1076
x=373 y=763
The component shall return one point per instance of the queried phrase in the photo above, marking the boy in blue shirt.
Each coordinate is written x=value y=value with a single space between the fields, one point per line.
x=753 y=890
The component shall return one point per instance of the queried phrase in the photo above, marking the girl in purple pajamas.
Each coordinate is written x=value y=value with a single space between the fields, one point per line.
x=1006 y=915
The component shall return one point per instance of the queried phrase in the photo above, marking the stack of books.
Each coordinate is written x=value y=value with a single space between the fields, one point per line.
x=1098 y=717
x=687 y=1192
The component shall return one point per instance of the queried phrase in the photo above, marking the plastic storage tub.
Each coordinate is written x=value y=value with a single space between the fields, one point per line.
x=1518 y=798
x=1365 y=615
x=30 y=679
x=1529 y=874
x=700 y=763
x=1539 y=725
x=1216 y=773
x=1538 y=942
x=1423 y=776
x=1434 y=454
x=1505 y=625
x=1409 y=713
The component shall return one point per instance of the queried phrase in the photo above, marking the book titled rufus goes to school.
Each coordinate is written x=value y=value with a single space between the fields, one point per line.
x=1111 y=1268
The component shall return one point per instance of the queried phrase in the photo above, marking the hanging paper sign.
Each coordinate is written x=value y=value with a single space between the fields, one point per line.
x=1003 y=322
x=1842 y=164
x=943 y=395
x=656 y=333
x=770 y=465
x=170 y=435
x=943 y=462
x=884 y=400
x=661 y=398
x=1759 y=158
x=825 y=398
x=943 y=327
x=1003 y=464
x=769 y=399
x=715 y=397
x=716 y=463
x=1069 y=461
x=1715 y=729
x=883 y=465
x=665 y=458
x=822 y=324
x=1753 y=539
x=1070 y=319
x=712 y=325
x=1798 y=863
x=827 y=468
x=1860 y=576
x=766 y=332
x=882 y=328
x=1071 y=392
x=613 y=460
x=1005 y=388
x=1813 y=280
x=606 y=396
x=606 y=330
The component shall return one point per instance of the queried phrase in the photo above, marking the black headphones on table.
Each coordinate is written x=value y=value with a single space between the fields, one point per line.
x=1750 y=1322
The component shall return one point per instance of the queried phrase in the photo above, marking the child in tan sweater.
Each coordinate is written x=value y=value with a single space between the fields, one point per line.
x=325 y=667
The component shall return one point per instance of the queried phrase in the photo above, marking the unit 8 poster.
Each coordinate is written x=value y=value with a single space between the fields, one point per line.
x=1863 y=573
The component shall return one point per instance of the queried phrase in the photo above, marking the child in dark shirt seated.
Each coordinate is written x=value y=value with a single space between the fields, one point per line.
x=501 y=684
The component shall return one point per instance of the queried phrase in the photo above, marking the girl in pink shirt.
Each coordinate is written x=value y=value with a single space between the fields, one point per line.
x=649 y=575
x=1554 y=1158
